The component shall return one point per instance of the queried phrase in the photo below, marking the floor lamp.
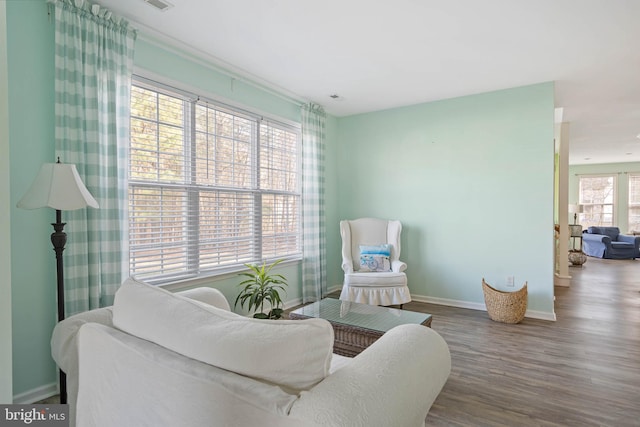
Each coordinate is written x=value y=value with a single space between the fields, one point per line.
x=58 y=186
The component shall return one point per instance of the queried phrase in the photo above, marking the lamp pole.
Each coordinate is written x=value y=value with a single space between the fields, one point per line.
x=59 y=239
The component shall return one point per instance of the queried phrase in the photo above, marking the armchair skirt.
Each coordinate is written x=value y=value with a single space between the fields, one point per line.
x=382 y=296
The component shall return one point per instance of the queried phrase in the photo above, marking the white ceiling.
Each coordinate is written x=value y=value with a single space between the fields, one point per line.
x=379 y=54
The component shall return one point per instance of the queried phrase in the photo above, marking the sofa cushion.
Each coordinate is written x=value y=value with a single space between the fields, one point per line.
x=593 y=230
x=612 y=232
x=295 y=354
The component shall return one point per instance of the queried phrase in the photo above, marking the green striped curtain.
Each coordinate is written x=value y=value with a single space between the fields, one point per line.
x=314 y=265
x=93 y=67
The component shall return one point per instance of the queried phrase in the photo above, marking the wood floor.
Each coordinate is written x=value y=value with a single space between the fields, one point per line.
x=582 y=370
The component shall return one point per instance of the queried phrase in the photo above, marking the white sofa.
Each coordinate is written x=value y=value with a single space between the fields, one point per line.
x=162 y=359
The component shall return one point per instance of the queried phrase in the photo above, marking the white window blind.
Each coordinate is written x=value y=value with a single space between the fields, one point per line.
x=597 y=195
x=210 y=188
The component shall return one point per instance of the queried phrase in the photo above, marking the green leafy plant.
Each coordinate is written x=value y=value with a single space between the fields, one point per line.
x=260 y=288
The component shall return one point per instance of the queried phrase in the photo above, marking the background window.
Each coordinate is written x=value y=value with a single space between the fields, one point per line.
x=634 y=202
x=597 y=195
x=210 y=188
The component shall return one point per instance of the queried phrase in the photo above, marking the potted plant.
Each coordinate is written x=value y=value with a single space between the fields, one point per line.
x=260 y=288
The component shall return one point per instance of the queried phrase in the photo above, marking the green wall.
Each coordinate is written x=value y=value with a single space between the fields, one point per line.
x=621 y=170
x=333 y=175
x=6 y=370
x=471 y=179
x=31 y=141
x=189 y=73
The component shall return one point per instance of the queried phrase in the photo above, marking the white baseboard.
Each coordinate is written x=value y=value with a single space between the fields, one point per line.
x=292 y=303
x=559 y=280
x=334 y=288
x=37 y=394
x=533 y=314
x=542 y=315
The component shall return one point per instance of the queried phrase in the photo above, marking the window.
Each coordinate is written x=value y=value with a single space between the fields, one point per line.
x=210 y=187
x=634 y=202
x=597 y=195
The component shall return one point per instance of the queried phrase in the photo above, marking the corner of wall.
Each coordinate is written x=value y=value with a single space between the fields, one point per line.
x=6 y=364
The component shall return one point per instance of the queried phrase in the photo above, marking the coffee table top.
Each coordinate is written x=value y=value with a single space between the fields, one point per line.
x=361 y=315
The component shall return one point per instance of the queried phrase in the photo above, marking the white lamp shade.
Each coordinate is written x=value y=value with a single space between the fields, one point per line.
x=576 y=208
x=57 y=186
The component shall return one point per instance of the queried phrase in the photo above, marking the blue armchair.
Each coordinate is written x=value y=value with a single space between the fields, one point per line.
x=607 y=242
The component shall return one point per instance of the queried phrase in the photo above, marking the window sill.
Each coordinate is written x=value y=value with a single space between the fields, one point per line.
x=206 y=280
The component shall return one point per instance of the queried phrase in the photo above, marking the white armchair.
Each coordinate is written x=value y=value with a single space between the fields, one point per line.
x=372 y=287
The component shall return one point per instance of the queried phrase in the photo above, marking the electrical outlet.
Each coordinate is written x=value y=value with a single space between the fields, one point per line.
x=510 y=281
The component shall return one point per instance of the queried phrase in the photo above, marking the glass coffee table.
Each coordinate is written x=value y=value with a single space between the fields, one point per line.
x=357 y=326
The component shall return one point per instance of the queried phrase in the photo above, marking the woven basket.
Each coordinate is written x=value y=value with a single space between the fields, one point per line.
x=506 y=307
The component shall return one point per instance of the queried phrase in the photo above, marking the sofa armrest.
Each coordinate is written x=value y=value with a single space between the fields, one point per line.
x=597 y=238
x=393 y=382
x=398 y=266
x=64 y=348
x=64 y=340
x=347 y=266
x=345 y=234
